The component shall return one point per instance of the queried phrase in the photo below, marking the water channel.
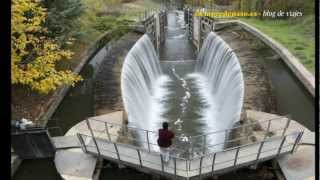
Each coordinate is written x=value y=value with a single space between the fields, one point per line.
x=78 y=104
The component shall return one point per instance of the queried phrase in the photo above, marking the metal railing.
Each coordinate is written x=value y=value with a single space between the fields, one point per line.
x=211 y=163
x=148 y=13
x=196 y=145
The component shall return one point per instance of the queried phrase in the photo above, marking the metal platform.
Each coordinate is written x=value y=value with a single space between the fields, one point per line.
x=101 y=144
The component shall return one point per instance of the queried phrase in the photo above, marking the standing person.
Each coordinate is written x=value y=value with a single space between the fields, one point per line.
x=164 y=141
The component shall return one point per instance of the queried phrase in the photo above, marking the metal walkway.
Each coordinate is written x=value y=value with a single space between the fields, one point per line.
x=276 y=141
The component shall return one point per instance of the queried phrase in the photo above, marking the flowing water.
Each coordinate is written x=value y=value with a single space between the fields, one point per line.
x=176 y=47
x=208 y=99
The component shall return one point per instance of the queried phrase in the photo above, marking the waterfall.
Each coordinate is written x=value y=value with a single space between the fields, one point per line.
x=219 y=77
x=142 y=84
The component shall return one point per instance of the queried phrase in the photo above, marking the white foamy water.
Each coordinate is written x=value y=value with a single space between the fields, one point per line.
x=184 y=101
x=218 y=79
x=181 y=19
x=157 y=108
x=140 y=71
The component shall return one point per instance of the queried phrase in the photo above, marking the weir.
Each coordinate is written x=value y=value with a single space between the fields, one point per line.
x=140 y=72
x=221 y=71
x=217 y=77
x=216 y=83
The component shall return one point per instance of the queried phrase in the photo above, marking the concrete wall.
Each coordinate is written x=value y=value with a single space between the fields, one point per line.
x=154 y=27
x=60 y=94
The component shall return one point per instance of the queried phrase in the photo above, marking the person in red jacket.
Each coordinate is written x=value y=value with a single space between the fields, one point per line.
x=165 y=141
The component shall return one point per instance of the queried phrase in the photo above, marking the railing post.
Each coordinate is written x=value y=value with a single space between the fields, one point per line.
x=297 y=141
x=93 y=138
x=226 y=136
x=200 y=168
x=236 y=156
x=268 y=129
x=148 y=140
x=204 y=144
x=117 y=151
x=175 y=165
x=286 y=127
x=259 y=152
x=139 y=155
x=192 y=146
x=213 y=161
x=187 y=172
x=280 y=147
x=82 y=142
x=107 y=131
x=162 y=165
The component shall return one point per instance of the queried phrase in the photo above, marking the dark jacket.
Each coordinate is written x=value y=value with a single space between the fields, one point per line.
x=164 y=139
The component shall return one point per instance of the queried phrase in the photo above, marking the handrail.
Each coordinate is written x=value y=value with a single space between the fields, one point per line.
x=149 y=149
x=243 y=137
x=128 y=145
x=200 y=135
x=249 y=144
x=194 y=158
x=148 y=13
x=241 y=126
x=200 y=166
x=204 y=146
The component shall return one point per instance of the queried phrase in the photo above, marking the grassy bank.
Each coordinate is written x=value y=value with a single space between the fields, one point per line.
x=104 y=15
x=298 y=35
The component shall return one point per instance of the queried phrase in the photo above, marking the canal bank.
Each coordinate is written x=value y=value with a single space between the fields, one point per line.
x=121 y=170
x=283 y=82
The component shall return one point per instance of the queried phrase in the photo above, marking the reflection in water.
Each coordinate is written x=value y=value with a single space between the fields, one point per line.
x=292 y=98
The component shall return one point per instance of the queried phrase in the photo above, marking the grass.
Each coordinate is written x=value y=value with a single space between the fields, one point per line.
x=297 y=35
x=103 y=15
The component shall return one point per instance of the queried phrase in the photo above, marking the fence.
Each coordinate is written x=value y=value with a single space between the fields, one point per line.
x=208 y=164
x=196 y=145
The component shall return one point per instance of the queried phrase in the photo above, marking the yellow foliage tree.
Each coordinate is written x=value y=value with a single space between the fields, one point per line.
x=33 y=54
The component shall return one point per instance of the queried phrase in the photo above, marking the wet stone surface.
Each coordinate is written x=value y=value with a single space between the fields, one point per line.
x=107 y=84
x=270 y=85
x=258 y=90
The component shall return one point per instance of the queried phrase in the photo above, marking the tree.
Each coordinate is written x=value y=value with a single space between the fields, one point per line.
x=62 y=18
x=33 y=54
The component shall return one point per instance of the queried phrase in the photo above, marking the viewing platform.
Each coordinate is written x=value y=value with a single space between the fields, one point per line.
x=99 y=139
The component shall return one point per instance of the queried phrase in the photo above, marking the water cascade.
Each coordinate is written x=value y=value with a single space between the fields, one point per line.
x=217 y=77
x=142 y=86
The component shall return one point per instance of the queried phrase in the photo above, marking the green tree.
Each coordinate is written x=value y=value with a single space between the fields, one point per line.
x=62 y=18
